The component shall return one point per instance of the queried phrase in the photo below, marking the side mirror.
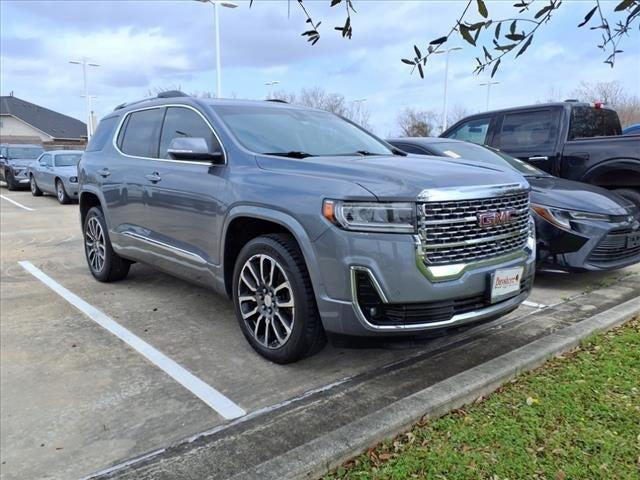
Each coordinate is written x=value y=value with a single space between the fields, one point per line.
x=193 y=148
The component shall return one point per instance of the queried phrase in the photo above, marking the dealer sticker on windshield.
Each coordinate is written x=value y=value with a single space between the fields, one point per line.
x=505 y=282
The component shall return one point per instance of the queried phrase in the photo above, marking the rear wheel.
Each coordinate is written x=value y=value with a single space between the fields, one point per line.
x=274 y=300
x=630 y=194
x=61 y=193
x=105 y=264
x=35 y=190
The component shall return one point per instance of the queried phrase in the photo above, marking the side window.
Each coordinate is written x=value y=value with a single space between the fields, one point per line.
x=103 y=134
x=472 y=131
x=184 y=122
x=142 y=133
x=527 y=130
x=46 y=159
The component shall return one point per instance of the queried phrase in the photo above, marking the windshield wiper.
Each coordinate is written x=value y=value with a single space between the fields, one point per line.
x=366 y=153
x=291 y=154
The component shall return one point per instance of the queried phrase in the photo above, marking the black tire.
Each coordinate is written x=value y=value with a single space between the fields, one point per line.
x=630 y=194
x=61 y=193
x=35 y=190
x=306 y=335
x=11 y=181
x=113 y=267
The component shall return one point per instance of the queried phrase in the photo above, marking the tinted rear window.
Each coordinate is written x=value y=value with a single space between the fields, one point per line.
x=587 y=122
x=142 y=135
x=102 y=135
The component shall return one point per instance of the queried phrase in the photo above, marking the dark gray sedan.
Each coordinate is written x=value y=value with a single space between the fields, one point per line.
x=56 y=172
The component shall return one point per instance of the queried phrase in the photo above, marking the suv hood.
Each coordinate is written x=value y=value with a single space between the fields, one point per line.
x=391 y=177
x=560 y=193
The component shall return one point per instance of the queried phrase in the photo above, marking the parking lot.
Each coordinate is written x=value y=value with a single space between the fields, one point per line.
x=77 y=399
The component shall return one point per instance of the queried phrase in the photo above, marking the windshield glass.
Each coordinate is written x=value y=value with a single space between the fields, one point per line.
x=479 y=153
x=27 y=153
x=264 y=129
x=67 y=159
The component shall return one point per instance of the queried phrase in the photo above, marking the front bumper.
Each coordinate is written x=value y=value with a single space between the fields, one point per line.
x=401 y=283
x=590 y=246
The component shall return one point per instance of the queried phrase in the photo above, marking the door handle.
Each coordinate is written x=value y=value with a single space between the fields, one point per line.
x=153 y=177
x=541 y=158
x=104 y=172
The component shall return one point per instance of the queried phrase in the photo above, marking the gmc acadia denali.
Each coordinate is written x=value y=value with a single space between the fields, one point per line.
x=310 y=223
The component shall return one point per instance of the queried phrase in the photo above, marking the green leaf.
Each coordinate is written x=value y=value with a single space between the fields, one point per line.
x=512 y=28
x=482 y=8
x=525 y=46
x=420 y=71
x=408 y=62
x=495 y=68
x=464 y=31
x=516 y=37
x=417 y=50
x=487 y=55
x=438 y=41
x=624 y=5
x=498 y=30
x=588 y=16
x=335 y=2
x=543 y=11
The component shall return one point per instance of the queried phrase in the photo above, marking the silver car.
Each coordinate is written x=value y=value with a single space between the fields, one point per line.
x=56 y=172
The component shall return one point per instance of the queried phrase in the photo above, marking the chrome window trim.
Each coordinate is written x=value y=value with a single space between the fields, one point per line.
x=114 y=140
x=471 y=192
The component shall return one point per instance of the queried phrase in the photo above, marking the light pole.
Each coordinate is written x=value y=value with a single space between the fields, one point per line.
x=87 y=99
x=488 y=84
x=446 y=79
x=271 y=85
x=215 y=4
x=358 y=109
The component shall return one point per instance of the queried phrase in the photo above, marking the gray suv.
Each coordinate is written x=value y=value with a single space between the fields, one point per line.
x=308 y=222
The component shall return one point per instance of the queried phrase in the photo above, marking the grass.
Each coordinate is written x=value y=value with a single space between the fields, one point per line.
x=576 y=417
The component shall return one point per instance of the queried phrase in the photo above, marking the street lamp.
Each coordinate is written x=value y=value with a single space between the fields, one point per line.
x=87 y=99
x=215 y=4
x=488 y=85
x=357 y=103
x=446 y=79
x=271 y=85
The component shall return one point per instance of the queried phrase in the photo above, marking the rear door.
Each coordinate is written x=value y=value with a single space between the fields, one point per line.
x=530 y=135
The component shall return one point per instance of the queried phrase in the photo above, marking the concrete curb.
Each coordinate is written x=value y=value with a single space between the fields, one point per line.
x=314 y=459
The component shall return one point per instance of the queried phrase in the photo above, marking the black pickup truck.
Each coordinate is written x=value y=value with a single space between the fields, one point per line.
x=571 y=139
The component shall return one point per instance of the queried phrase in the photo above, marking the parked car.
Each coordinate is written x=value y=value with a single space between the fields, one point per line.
x=573 y=140
x=56 y=172
x=14 y=162
x=578 y=226
x=297 y=215
x=632 y=129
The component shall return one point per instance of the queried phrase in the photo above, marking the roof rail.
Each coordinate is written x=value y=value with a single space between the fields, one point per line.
x=172 y=94
x=277 y=100
x=167 y=94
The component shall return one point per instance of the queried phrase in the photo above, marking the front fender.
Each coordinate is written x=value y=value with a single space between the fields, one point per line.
x=289 y=223
x=619 y=172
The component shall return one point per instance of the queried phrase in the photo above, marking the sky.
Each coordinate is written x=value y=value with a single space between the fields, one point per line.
x=142 y=46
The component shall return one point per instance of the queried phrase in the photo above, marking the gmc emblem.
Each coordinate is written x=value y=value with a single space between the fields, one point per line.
x=492 y=219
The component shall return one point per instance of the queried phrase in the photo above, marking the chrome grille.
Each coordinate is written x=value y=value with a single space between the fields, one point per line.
x=450 y=232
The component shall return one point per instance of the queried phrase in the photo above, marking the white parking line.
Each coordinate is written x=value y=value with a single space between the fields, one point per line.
x=534 y=304
x=204 y=392
x=16 y=203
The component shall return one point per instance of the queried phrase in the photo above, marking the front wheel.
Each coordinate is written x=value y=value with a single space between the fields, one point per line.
x=63 y=196
x=35 y=190
x=274 y=300
x=105 y=264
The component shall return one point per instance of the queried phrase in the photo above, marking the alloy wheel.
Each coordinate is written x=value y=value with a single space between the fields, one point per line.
x=266 y=301
x=60 y=190
x=33 y=185
x=95 y=244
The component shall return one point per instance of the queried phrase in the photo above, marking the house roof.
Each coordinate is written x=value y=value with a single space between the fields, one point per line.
x=52 y=123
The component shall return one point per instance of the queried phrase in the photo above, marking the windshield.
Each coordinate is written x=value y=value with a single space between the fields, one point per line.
x=482 y=154
x=27 y=153
x=280 y=130
x=67 y=159
x=587 y=122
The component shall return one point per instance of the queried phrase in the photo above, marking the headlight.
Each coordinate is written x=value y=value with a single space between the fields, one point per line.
x=73 y=179
x=562 y=218
x=371 y=216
